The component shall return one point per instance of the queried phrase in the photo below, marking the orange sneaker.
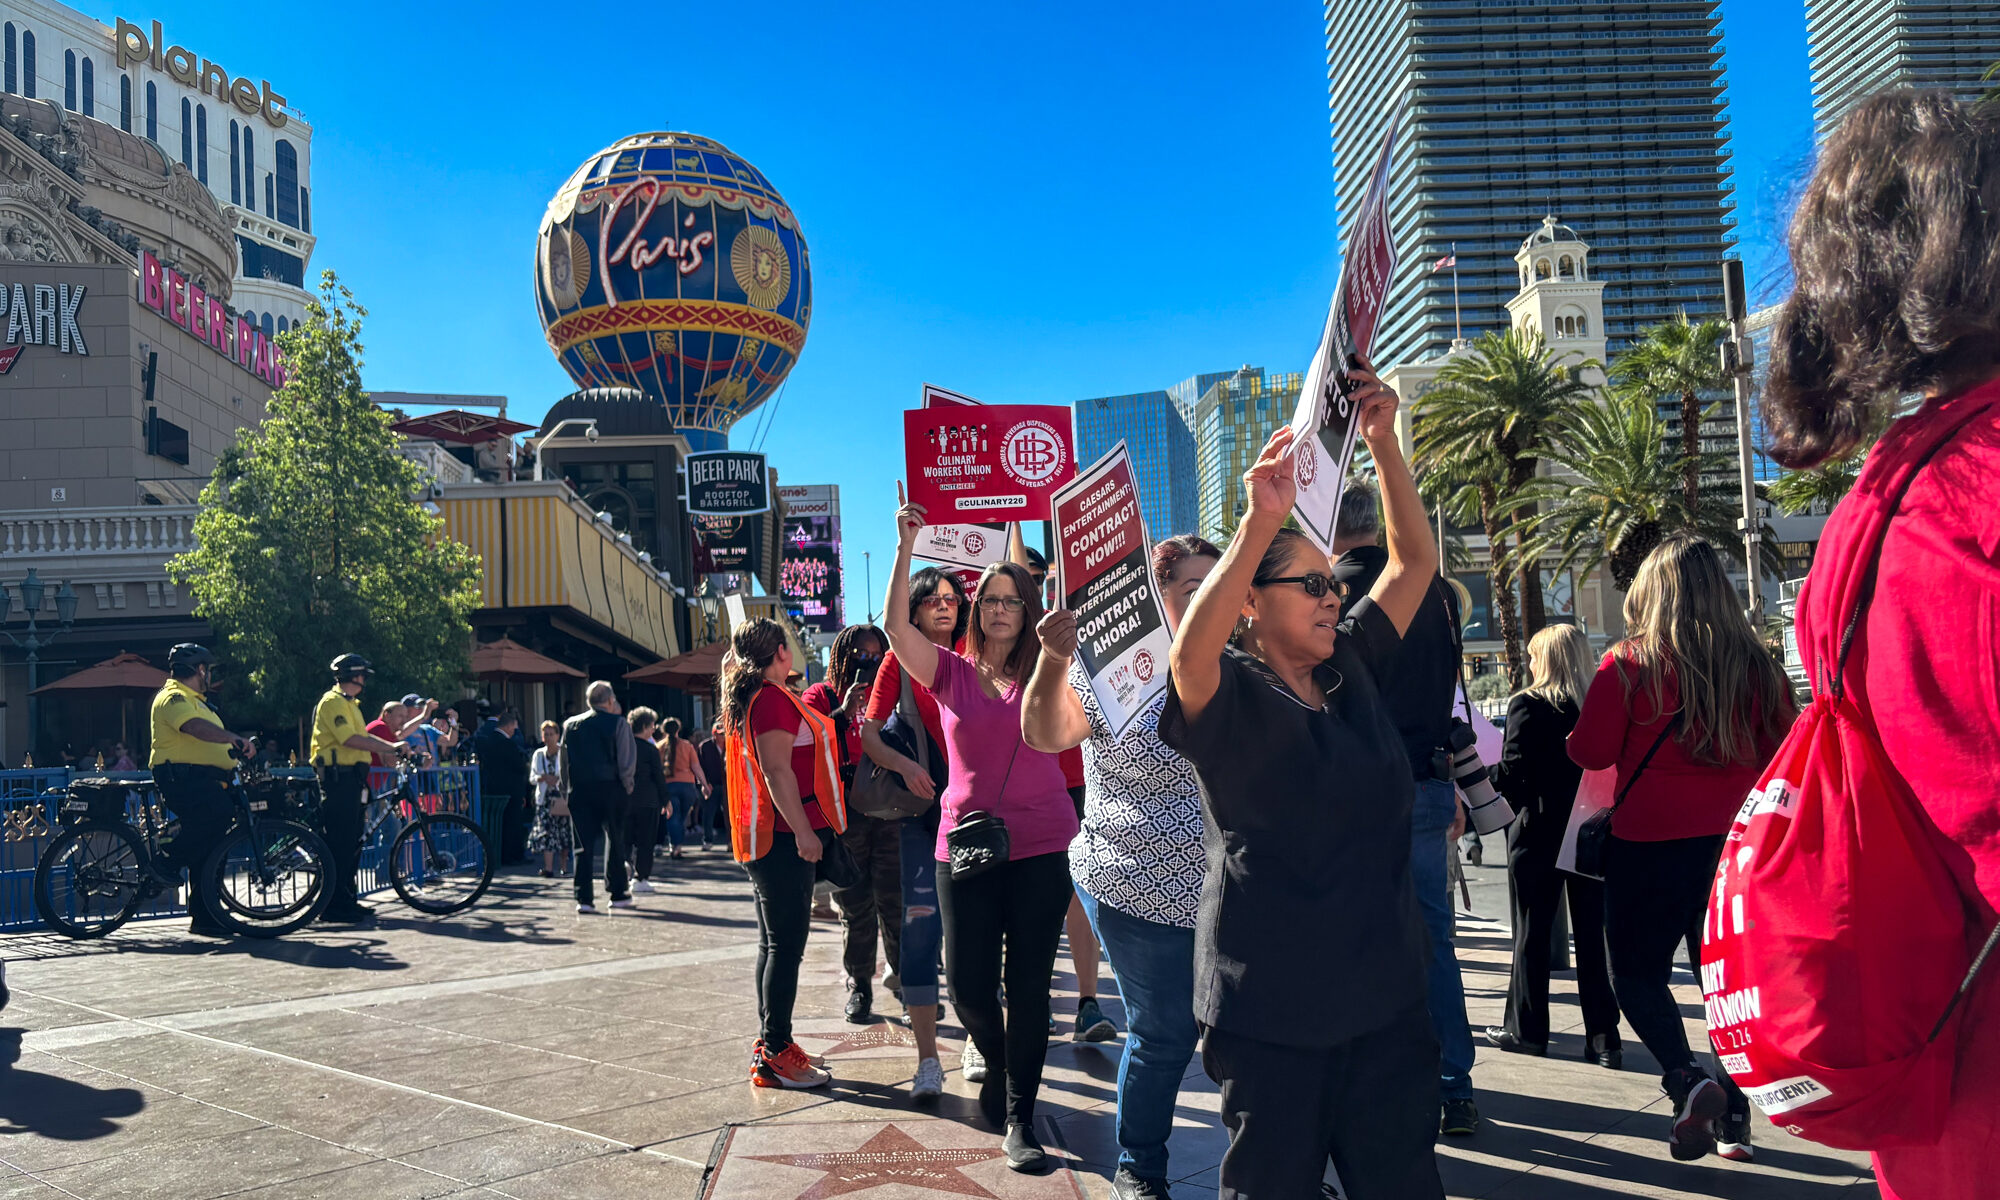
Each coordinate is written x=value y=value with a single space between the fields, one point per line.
x=789 y=1068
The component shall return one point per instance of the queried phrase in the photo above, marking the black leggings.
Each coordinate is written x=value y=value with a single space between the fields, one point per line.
x=1015 y=909
x=783 y=883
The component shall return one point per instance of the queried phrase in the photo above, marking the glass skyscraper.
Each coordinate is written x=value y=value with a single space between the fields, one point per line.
x=1232 y=420
x=1162 y=453
x=1862 y=46
x=1607 y=115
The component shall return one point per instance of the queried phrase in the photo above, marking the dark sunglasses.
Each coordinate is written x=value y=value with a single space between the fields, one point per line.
x=864 y=656
x=1315 y=584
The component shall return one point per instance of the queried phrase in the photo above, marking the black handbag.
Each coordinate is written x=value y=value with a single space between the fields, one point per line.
x=879 y=792
x=1594 y=834
x=836 y=863
x=980 y=841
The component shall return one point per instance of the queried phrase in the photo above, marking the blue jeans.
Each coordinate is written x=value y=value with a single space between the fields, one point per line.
x=923 y=927
x=1437 y=806
x=686 y=801
x=1154 y=965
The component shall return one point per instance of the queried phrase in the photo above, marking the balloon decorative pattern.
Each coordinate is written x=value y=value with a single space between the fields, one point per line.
x=668 y=264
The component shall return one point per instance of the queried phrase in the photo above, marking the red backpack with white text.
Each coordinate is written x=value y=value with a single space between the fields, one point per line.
x=1838 y=943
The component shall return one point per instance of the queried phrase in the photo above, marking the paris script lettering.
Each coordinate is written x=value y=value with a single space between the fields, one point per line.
x=685 y=251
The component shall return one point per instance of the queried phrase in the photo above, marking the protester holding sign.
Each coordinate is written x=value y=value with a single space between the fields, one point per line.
x=1006 y=822
x=1137 y=863
x=1310 y=975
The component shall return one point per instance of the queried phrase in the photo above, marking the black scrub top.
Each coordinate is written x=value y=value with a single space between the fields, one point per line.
x=1309 y=933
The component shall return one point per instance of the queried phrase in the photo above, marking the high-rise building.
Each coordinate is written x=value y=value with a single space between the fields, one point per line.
x=1162 y=453
x=1859 y=47
x=1233 y=418
x=1609 y=114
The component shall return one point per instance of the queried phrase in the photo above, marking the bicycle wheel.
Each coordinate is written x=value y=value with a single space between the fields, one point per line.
x=269 y=878
x=90 y=880
x=440 y=864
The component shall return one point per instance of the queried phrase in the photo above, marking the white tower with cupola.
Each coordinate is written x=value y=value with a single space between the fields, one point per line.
x=1558 y=298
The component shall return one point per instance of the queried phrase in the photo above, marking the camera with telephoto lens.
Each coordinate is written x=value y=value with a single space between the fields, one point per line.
x=1486 y=809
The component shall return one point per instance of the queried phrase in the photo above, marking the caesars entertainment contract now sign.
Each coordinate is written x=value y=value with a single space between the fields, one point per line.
x=727 y=483
x=1323 y=425
x=987 y=462
x=1104 y=565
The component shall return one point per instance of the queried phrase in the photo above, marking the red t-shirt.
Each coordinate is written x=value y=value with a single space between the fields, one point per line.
x=771 y=712
x=821 y=697
x=380 y=729
x=889 y=689
x=1676 y=796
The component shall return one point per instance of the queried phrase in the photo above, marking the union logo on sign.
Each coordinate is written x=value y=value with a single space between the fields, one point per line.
x=975 y=542
x=1142 y=665
x=1031 y=453
x=1307 y=467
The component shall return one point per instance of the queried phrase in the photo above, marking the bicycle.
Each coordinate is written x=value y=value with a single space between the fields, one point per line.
x=267 y=874
x=439 y=862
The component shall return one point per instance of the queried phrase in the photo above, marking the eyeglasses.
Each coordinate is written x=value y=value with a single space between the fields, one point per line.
x=1315 y=584
x=996 y=603
x=861 y=656
x=941 y=600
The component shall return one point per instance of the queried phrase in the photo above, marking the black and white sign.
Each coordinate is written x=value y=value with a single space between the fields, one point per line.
x=727 y=483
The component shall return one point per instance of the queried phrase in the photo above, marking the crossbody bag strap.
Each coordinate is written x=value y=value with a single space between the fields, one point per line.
x=907 y=705
x=1645 y=762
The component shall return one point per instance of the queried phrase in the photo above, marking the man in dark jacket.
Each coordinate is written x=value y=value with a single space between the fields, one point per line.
x=503 y=786
x=648 y=801
x=599 y=763
x=709 y=755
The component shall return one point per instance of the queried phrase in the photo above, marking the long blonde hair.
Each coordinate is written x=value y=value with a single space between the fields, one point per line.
x=1559 y=665
x=1683 y=621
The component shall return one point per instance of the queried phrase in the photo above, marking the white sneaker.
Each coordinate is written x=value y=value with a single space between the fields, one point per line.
x=929 y=1083
x=627 y=902
x=586 y=910
x=641 y=885
x=972 y=1064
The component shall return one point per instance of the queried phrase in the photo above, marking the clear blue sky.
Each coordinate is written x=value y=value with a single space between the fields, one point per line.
x=1028 y=203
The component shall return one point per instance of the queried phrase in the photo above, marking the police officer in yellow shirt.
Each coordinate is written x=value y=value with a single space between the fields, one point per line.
x=192 y=768
x=343 y=750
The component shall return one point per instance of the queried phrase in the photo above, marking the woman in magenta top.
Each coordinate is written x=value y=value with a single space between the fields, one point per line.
x=1896 y=249
x=1011 y=913
x=1688 y=708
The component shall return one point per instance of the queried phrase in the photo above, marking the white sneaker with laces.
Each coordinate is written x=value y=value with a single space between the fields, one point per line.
x=627 y=902
x=972 y=1064
x=586 y=910
x=929 y=1083
x=641 y=885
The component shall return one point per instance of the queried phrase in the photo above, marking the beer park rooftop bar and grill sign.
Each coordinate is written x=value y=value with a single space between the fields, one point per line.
x=182 y=301
x=727 y=483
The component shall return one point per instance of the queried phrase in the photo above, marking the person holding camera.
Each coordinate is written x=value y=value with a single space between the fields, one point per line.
x=1419 y=695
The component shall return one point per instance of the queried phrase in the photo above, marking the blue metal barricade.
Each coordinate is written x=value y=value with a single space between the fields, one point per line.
x=25 y=834
x=438 y=789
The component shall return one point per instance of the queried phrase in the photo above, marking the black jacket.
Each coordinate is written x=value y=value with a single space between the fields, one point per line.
x=649 y=778
x=1421 y=688
x=1535 y=771
x=709 y=755
x=503 y=769
x=597 y=748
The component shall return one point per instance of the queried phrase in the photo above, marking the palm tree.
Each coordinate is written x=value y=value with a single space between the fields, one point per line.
x=1677 y=358
x=1616 y=492
x=1795 y=492
x=1482 y=428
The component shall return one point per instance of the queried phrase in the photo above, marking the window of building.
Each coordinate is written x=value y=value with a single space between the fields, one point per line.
x=89 y=88
x=305 y=211
x=235 y=167
x=266 y=262
x=165 y=439
x=1566 y=269
x=187 y=132
x=125 y=103
x=270 y=327
x=249 y=169
x=1478 y=618
x=152 y=112
x=283 y=324
x=270 y=200
x=201 y=143
x=287 y=210
x=69 y=80
x=10 y=69
x=1542 y=269
x=27 y=64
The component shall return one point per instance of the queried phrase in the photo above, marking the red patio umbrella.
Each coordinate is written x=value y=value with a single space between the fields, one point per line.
x=507 y=660
x=693 y=671
x=122 y=672
x=459 y=427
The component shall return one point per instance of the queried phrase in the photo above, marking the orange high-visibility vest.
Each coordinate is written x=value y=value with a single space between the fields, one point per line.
x=753 y=815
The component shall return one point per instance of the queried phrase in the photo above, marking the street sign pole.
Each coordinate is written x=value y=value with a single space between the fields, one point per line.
x=1737 y=358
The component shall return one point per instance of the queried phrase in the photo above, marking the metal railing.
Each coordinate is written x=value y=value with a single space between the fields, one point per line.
x=134 y=529
x=29 y=799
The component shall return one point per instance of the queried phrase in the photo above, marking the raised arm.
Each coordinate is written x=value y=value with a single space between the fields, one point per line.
x=1413 y=553
x=1052 y=717
x=1196 y=657
x=913 y=649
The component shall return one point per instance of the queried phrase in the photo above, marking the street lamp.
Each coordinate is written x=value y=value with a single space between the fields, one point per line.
x=1738 y=359
x=34 y=640
x=589 y=432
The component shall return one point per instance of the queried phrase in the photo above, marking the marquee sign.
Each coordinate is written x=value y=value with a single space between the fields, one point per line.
x=41 y=314
x=182 y=301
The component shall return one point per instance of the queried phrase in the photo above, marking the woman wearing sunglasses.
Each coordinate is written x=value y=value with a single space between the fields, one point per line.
x=1013 y=911
x=1309 y=956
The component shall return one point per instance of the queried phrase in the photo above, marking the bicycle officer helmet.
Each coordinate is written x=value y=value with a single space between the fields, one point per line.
x=187 y=658
x=351 y=666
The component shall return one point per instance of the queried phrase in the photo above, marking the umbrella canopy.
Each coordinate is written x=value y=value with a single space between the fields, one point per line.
x=695 y=669
x=458 y=426
x=507 y=659
x=122 y=673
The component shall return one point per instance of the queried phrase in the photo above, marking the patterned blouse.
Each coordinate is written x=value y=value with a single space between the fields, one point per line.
x=1139 y=849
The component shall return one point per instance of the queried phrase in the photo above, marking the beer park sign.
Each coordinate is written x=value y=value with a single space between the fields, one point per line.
x=185 y=303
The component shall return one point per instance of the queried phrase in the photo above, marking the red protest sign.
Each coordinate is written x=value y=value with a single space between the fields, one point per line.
x=990 y=462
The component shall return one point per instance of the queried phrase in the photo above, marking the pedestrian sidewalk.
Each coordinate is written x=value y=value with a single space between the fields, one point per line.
x=523 y=1051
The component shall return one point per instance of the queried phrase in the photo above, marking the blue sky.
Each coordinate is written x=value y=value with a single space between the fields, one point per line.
x=1028 y=203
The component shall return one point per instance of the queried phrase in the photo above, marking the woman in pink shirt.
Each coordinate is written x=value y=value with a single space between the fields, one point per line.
x=1896 y=249
x=1688 y=708
x=1012 y=912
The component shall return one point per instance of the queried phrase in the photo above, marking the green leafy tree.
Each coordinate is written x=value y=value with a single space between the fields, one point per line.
x=1820 y=488
x=1682 y=359
x=311 y=542
x=1482 y=430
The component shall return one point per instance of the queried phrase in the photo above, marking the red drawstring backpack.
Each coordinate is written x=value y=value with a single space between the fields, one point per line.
x=1836 y=949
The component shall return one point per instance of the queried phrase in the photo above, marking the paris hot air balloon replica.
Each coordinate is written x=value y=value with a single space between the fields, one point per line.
x=670 y=265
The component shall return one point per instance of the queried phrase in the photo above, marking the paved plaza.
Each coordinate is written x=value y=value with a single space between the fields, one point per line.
x=523 y=1051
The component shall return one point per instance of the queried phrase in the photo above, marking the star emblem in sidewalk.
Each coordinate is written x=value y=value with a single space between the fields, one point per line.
x=891 y=1156
x=874 y=1037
